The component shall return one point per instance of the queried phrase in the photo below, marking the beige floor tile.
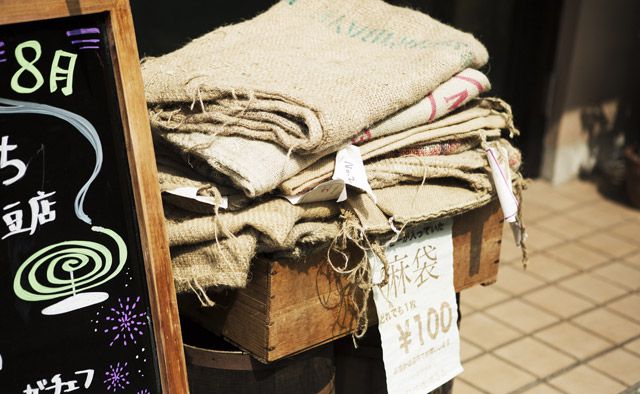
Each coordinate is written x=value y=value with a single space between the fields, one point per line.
x=586 y=380
x=494 y=375
x=468 y=350
x=509 y=252
x=462 y=387
x=615 y=209
x=577 y=255
x=533 y=212
x=608 y=325
x=633 y=260
x=522 y=316
x=628 y=306
x=535 y=357
x=565 y=227
x=515 y=280
x=549 y=268
x=540 y=239
x=552 y=196
x=558 y=301
x=573 y=340
x=621 y=274
x=592 y=287
x=485 y=331
x=542 y=388
x=608 y=244
x=633 y=346
x=594 y=216
x=479 y=297
x=579 y=190
x=629 y=230
x=619 y=363
x=466 y=309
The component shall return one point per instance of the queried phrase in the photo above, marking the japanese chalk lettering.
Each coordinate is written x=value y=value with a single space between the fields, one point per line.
x=57 y=73
x=57 y=386
x=17 y=164
x=41 y=213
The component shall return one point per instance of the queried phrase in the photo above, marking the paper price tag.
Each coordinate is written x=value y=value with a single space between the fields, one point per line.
x=350 y=169
x=191 y=193
x=501 y=173
x=502 y=182
x=417 y=311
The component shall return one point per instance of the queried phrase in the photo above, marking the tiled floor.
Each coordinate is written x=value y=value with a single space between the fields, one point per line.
x=570 y=322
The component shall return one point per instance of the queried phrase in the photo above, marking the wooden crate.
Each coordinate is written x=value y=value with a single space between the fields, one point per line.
x=291 y=307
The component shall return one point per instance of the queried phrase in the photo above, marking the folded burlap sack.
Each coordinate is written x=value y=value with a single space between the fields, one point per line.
x=466 y=167
x=175 y=174
x=216 y=250
x=306 y=74
x=226 y=263
x=466 y=164
x=448 y=97
x=223 y=158
x=484 y=118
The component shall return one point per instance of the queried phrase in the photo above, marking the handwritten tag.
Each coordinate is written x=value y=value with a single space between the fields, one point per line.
x=501 y=173
x=191 y=193
x=502 y=181
x=332 y=190
x=350 y=169
x=417 y=310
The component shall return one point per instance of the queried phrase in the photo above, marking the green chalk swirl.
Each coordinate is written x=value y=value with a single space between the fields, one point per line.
x=88 y=264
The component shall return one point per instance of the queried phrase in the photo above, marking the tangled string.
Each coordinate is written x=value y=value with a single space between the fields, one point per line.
x=69 y=267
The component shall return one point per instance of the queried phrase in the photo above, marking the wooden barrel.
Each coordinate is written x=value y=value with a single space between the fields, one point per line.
x=216 y=367
x=217 y=371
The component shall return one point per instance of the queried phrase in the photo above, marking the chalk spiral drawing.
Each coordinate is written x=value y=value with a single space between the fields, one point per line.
x=88 y=264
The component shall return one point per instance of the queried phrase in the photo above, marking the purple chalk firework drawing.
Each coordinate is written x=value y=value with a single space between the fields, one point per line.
x=116 y=377
x=125 y=322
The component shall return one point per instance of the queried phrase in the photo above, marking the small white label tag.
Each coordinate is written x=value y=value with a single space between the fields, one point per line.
x=326 y=191
x=417 y=311
x=350 y=169
x=191 y=193
x=504 y=188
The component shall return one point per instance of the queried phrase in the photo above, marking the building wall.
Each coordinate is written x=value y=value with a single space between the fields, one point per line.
x=596 y=75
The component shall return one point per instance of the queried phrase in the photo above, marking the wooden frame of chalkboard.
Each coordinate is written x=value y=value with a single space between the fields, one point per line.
x=139 y=186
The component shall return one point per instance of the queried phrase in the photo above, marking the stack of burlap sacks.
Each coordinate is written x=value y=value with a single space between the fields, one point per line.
x=257 y=110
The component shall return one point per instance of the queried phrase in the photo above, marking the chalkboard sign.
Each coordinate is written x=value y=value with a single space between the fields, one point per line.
x=86 y=292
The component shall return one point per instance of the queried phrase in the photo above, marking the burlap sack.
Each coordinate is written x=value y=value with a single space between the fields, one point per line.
x=174 y=174
x=465 y=167
x=307 y=74
x=483 y=119
x=208 y=265
x=272 y=219
x=270 y=164
x=404 y=204
x=216 y=250
x=468 y=167
x=226 y=264
x=446 y=98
